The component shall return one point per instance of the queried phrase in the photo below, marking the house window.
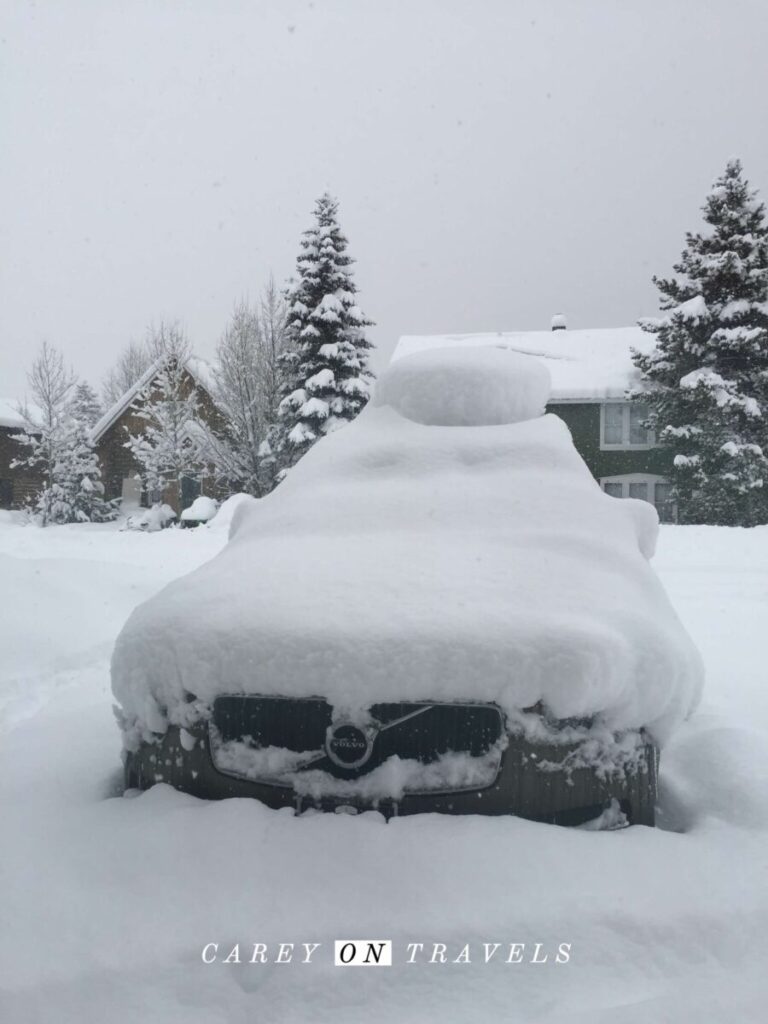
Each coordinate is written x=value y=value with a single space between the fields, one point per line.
x=621 y=426
x=645 y=487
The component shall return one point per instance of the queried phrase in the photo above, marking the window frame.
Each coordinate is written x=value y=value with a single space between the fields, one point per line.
x=625 y=445
x=625 y=479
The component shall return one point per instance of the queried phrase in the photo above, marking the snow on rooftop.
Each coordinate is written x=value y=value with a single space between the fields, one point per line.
x=588 y=365
x=123 y=402
x=199 y=368
x=10 y=415
x=202 y=371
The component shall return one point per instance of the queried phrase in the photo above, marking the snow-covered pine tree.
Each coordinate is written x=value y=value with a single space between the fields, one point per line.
x=327 y=380
x=85 y=404
x=78 y=491
x=171 y=446
x=706 y=381
x=59 y=448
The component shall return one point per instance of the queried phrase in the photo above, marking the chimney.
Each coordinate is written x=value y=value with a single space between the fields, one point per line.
x=558 y=322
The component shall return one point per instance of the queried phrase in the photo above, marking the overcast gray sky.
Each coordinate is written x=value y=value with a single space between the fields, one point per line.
x=496 y=161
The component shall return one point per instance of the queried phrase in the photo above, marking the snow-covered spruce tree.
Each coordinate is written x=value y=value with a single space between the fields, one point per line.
x=706 y=381
x=327 y=377
x=78 y=492
x=171 y=446
x=59 y=448
x=86 y=406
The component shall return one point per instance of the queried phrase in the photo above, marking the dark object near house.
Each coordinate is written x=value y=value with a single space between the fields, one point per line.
x=19 y=485
x=539 y=781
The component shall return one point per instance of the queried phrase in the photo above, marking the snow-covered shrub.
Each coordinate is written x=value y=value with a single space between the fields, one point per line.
x=150 y=520
x=202 y=510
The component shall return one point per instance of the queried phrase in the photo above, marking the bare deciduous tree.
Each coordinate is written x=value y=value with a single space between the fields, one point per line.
x=248 y=380
x=273 y=316
x=131 y=364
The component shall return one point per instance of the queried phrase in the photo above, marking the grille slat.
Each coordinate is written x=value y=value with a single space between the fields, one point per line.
x=273 y=721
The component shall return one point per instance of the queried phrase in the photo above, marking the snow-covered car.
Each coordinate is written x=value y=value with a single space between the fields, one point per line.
x=437 y=610
x=202 y=510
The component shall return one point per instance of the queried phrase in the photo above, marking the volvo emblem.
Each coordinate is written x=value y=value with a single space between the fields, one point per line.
x=348 y=745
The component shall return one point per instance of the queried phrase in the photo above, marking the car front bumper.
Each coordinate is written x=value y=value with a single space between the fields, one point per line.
x=522 y=788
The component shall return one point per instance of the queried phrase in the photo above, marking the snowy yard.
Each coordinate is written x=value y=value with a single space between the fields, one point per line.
x=108 y=902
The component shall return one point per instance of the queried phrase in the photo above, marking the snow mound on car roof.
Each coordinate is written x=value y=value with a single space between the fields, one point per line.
x=466 y=388
x=405 y=561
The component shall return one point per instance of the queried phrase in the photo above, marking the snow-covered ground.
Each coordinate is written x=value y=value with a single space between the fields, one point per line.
x=107 y=902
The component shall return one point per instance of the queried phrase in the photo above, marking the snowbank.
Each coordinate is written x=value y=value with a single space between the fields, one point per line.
x=403 y=561
x=230 y=511
x=663 y=925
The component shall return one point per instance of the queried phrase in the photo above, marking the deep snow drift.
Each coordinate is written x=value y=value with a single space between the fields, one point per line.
x=107 y=902
x=406 y=560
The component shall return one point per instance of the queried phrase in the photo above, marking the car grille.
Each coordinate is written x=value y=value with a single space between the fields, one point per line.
x=413 y=731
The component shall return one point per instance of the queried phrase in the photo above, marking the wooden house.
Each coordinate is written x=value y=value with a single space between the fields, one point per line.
x=18 y=486
x=120 y=470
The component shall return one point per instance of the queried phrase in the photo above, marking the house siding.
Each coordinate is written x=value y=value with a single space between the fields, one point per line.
x=583 y=421
x=117 y=463
x=18 y=487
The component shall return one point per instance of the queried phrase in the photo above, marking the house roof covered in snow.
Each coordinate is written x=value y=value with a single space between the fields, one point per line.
x=585 y=366
x=199 y=368
x=10 y=415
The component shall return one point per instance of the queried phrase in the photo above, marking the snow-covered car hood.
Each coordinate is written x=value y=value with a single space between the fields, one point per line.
x=464 y=557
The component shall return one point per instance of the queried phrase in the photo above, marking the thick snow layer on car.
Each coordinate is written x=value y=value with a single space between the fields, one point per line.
x=459 y=387
x=403 y=561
